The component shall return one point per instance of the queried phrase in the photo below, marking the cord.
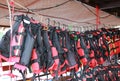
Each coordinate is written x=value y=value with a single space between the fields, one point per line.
x=24 y=11
x=18 y=9
x=52 y=16
x=41 y=9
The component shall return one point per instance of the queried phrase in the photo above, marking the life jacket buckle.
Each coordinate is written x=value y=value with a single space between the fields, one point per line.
x=45 y=28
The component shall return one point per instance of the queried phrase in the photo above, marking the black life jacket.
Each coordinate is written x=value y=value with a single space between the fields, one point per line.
x=5 y=45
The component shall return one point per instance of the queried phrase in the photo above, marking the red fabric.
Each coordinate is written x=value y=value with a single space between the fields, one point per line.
x=81 y=53
x=35 y=66
x=93 y=63
x=17 y=42
x=20 y=67
x=55 y=65
x=101 y=60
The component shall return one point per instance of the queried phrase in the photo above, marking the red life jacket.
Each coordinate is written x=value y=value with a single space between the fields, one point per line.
x=93 y=61
x=81 y=53
x=64 y=65
x=55 y=66
x=35 y=65
x=16 y=43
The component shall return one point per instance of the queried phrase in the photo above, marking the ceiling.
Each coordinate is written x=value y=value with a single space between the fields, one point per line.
x=112 y=6
x=70 y=12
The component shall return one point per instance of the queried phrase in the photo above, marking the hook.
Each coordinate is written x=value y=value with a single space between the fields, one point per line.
x=103 y=26
x=66 y=27
x=80 y=28
x=87 y=28
x=48 y=21
x=54 y=23
x=73 y=28
x=90 y=28
x=93 y=28
x=48 y=24
x=63 y=26
x=58 y=24
x=76 y=28
x=28 y=10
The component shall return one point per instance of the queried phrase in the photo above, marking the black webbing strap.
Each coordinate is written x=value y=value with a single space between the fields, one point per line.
x=34 y=61
x=81 y=57
x=17 y=47
x=20 y=33
x=55 y=57
x=14 y=48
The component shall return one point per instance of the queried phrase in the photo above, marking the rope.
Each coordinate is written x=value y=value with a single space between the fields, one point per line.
x=41 y=15
x=1 y=69
x=29 y=10
x=10 y=21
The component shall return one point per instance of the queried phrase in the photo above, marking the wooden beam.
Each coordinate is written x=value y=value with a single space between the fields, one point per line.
x=6 y=26
x=110 y=5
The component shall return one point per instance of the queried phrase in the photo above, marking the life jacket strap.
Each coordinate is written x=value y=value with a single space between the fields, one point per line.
x=17 y=47
x=20 y=67
x=55 y=57
x=20 y=33
x=81 y=57
x=34 y=61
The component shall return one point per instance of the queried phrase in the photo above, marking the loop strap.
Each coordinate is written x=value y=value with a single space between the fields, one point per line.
x=17 y=47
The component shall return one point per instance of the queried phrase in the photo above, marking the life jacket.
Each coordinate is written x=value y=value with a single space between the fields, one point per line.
x=37 y=50
x=113 y=45
x=96 y=49
x=56 y=43
x=27 y=46
x=93 y=61
x=116 y=40
x=60 y=45
x=68 y=64
x=17 y=42
x=5 y=45
x=48 y=61
x=16 y=45
x=55 y=67
x=112 y=41
x=72 y=64
x=35 y=62
x=81 y=53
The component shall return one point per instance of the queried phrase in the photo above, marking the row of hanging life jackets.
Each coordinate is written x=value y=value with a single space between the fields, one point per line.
x=55 y=49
